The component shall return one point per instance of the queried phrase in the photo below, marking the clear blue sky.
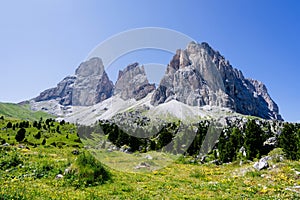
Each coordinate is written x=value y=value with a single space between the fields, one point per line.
x=43 y=41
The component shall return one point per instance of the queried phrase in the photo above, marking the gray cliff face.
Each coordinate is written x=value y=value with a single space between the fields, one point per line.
x=89 y=86
x=62 y=92
x=133 y=83
x=200 y=76
x=92 y=84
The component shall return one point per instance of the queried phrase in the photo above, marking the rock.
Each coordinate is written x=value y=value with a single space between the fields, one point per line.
x=59 y=176
x=272 y=141
x=262 y=163
x=243 y=151
x=199 y=75
x=133 y=83
x=5 y=144
x=89 y=86
x=295 y=189
x=75 y=152
x=296 y=172
x=92 y=84
x=202 y=159
x=62 y=92
x=142 y=165
x=148 y=157
x=125 y=149
x=216 y=162
x=67 y=170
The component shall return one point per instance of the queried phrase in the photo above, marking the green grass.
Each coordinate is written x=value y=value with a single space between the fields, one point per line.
x=29 y=173
x=21 y=112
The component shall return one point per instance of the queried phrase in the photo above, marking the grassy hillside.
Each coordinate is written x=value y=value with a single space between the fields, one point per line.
x=28 y=170
x=21 y=112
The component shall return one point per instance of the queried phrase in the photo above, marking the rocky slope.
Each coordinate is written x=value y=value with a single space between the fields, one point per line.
x=199 y=75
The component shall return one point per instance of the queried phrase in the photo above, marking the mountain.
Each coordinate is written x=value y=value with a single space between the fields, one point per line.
x=89 y=86
x=199 y=75
x=198 y=82
x=133 y=83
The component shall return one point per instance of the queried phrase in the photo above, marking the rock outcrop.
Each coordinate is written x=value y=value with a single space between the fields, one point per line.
x=62 y=92
x=133 y=83
x=92 y=84
x=200 y=76
x=89 y=86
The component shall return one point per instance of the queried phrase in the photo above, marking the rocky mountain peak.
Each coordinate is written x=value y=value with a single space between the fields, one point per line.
x=92 y=67
x=92 y=84
x=133 y=83
x=89 y=86
x=199 y=75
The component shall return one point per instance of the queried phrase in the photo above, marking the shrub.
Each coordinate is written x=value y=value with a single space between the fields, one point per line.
x=2 y=141
x=89 y=171
x=9 y=160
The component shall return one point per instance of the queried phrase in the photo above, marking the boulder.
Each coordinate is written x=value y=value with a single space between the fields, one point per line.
x=59 y=176
x=272 y=141
x=148 y=157
x=75 y=152
x=262 y=163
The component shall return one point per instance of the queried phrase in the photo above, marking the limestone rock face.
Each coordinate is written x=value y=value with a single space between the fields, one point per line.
x=92 y=84
x=133 y=83
x=62 y=92
x=89 y=86
x=199 y=75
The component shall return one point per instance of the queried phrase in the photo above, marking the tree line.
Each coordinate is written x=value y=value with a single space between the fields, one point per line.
x=234 y=143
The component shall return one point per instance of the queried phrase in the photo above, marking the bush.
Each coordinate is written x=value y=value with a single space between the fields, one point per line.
x=9 y=160
x=2 y=141
x=88 y=171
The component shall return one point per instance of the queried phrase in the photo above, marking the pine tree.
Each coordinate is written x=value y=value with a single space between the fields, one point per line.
x=164 y=138
x=38 y=135
x=289 y=141
x=9 y=125
x=44 y=141
x=20 y=135
x=253 y=140
x=58 y=129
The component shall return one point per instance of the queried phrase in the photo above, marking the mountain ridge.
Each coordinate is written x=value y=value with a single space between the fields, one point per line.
x=196 y=76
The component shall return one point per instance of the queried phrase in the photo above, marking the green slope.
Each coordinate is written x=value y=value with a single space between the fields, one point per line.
x=29 y=169
x=21 y=112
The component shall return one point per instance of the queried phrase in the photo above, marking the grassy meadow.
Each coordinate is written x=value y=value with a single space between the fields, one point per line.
x=29 y=169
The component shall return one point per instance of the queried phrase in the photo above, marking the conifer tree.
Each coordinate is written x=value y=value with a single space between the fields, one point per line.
x=253 y=140
x=289 y=141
